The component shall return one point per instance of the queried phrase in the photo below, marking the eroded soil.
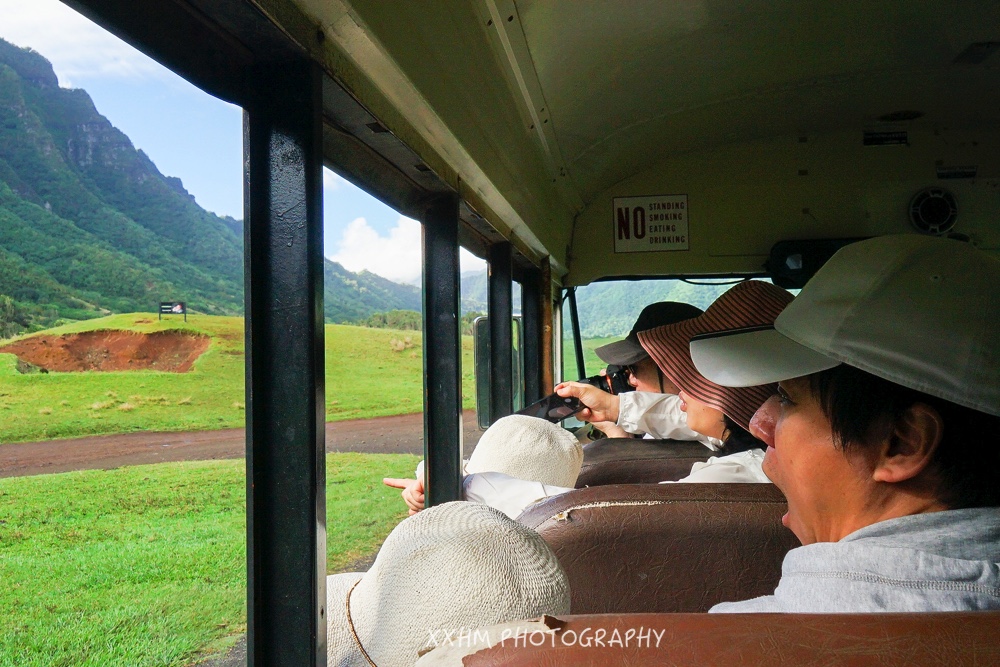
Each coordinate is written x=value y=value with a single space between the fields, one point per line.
x=172 y=351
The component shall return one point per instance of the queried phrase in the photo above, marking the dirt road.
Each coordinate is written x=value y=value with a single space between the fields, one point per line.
x=392 y=435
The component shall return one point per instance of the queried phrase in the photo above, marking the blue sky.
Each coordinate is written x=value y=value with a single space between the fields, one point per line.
x=197 y=138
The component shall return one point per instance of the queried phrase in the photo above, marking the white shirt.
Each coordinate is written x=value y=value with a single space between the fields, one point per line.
x=740 y=468
x=658 y=416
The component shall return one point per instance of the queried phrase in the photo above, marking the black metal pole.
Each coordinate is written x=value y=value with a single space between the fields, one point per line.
x=286 y=498
x=581 y=367
x=500 y=307
x=442 y=354
x=531 y=316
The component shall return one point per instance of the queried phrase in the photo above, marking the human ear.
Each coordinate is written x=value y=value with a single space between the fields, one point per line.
x=911 y=446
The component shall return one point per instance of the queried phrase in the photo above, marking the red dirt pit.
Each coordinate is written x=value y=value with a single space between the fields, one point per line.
x=172 y=351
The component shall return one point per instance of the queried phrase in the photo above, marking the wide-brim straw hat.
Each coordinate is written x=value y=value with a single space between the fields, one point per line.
x=528 y=448
x=749 y=304
x=451 y=568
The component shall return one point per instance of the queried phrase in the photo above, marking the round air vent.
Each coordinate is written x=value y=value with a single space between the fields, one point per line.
x=933 y=211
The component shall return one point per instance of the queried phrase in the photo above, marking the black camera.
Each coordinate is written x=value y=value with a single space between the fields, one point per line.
x=614 y=380
x=555 y=408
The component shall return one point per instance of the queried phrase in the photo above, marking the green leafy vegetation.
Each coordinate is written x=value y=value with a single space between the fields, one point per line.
x=89 y=226
x=394 y=319
x=351 y=297
x=370 y=373
x=147 y=565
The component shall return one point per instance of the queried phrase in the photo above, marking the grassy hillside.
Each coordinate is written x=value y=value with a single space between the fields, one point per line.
x=370 y=372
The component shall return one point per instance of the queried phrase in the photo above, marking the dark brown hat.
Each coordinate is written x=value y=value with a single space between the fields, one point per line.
x=629 y=351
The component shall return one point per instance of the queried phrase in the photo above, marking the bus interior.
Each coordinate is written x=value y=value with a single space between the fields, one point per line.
x=566 y=143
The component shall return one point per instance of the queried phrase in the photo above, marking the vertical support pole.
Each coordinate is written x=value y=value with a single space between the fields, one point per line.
x=442 y=354
x=531 y=314
x=548 y=318
x=286 y=473
x=581 y=367
x=500 y=308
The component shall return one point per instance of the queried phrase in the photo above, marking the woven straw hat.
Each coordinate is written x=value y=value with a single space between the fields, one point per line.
x=454 y=567
x=528 y=448
x=748 y=304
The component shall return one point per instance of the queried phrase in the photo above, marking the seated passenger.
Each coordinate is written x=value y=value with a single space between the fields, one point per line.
x=883 y=436
x=518 y=460
x=722 y=413
x=506 y=469
x=653 y=409
x=455 y=567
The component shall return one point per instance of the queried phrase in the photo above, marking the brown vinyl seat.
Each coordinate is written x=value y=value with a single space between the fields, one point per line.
x=638 y=461
x=665 y=547
x=833 y=640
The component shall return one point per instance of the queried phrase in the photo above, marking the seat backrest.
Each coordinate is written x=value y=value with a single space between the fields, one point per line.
x=888 y=640
x=638 y=461
x=665 y=547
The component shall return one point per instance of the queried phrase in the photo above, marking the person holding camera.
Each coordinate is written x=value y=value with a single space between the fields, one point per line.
x=653 y=409
x=504 y=471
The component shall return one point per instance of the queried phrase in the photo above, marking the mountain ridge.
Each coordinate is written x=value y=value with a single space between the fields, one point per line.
x=89 y=225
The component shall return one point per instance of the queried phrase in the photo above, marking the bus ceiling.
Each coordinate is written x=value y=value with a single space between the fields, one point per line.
x=642 y=138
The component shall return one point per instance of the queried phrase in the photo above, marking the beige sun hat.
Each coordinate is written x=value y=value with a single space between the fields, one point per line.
x=528 y=448
x=918 y=311
x=449 y=569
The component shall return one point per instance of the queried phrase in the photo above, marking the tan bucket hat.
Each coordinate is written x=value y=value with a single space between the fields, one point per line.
x=448 y=569
x=752 y=303
x=528 y=448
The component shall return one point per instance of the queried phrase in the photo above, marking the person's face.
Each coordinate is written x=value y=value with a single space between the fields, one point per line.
x=827 y=489
x=645 y=376
x=703 y=418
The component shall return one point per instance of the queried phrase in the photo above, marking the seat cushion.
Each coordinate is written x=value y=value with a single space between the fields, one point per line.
x=638 y=461
x=665 y=547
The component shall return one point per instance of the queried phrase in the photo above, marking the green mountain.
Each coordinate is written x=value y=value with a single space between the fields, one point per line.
x=88 y=224
x=350 y=297
x=610 y=308
x=605 y=308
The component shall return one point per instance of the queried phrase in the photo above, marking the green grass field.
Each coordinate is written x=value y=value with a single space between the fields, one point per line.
x=146 y=565
x=369 y=373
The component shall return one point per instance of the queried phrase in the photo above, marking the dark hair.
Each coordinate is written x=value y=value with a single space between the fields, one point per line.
x=863 y=410
x=737 y=439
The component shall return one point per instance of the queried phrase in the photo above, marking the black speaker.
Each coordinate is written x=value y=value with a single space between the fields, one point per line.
x=933 y=211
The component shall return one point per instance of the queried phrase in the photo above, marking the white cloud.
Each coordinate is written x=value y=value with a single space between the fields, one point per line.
x=469 y=262
x=74 y=45
x=332 y=180
x=396 y=256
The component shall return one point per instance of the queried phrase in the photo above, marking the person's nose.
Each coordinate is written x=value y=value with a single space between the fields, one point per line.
x=764 y=420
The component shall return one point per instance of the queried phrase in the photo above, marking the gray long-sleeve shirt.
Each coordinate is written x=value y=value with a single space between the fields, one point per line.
x=941 y=561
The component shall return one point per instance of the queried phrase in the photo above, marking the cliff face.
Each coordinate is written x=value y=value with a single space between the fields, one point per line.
x=88 y=224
